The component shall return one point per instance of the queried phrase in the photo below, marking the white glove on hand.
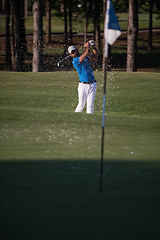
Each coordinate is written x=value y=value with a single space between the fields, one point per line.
x=91 y=43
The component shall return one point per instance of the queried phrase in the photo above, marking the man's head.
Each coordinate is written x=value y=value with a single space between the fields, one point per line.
x=73 y=51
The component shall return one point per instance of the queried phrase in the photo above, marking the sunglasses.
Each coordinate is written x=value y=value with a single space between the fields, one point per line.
x=73 y=51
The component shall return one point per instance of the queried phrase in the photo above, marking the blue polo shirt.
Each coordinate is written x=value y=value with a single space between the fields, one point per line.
x=84 y=70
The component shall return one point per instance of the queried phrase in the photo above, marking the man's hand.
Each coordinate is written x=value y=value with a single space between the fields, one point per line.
x=94 y=55
x=91 y=43
x=87 y=45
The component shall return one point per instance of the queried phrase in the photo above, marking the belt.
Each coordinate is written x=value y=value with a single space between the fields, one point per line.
x=87 y=82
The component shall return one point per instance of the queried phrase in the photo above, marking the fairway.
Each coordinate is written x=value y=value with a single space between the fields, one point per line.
x=50 y=158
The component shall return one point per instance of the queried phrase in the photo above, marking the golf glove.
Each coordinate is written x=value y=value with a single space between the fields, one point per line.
x=91 y=43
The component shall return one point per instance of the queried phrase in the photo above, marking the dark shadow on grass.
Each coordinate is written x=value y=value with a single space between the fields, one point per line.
x=60 y=199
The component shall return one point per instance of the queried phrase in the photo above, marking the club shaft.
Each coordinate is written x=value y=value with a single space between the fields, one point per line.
x=63 y=59
x=68 y=56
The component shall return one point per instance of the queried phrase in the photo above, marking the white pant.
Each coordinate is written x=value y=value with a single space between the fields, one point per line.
x=86 y=94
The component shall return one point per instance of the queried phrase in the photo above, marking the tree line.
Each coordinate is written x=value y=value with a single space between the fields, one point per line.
x=91 y=10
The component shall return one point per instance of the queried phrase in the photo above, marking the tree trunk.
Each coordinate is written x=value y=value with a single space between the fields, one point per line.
x=86 y=30
x=26 y=8
x=87 y=10
x=61 y=2
x=132 y=34
x=65 y=27
x=13 y=49
x=97 y=23
x=8 y=45
x=70 y=23
x=19 y=34
x=23 y=26
x=37 y=36
x=48 y=21
x=3 y=6
x=150 y=26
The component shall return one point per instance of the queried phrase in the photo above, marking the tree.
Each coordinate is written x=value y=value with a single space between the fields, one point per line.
x=26 y=8
x=96 y=20
x=65 y=26
x=132 y=34
x=48 y=21
x=120 y=6
x=37 y=36
x=20 y=42
x=13 y=48
x=2 y=6
x=8 y=45
x=150 y=25
x=70 y=22
x=87 y=12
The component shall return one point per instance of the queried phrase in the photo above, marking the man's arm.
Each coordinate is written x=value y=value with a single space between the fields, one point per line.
x=86 y=53
x=95 y=54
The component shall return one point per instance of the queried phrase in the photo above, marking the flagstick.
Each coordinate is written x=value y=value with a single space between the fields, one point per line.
x=111 y=33
x=103 y=124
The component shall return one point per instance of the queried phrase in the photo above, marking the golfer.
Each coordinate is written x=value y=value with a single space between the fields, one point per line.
x=87 y=83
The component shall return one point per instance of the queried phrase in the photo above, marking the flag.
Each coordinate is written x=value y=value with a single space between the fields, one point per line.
x=111 y=28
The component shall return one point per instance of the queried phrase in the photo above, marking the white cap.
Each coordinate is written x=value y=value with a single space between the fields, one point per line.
x=71 y=48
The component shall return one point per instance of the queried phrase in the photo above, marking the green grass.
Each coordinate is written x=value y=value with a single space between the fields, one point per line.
x=50 y=158
x=51 y=98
